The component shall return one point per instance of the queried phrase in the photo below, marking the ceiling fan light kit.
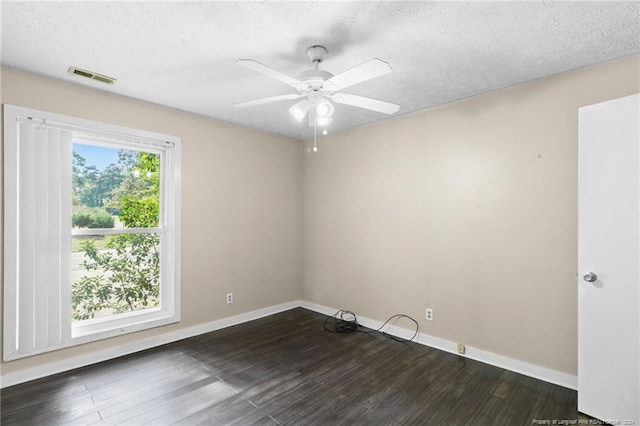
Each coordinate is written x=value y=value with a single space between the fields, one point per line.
x=300 y=109
x=319 y=88
x=324 y=108
x=323 y=121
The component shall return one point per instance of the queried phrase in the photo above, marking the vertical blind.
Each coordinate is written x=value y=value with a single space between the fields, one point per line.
x=41 y=232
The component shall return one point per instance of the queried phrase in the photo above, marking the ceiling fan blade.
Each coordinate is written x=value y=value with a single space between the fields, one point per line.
x=366 y=103
x=261 y=68
x=363 y=72
x=267 y=100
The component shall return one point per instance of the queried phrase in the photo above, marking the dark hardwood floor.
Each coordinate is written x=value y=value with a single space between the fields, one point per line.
x=285 y=369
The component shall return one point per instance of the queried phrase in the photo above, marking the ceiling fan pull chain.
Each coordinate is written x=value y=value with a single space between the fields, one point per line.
x=315 y=129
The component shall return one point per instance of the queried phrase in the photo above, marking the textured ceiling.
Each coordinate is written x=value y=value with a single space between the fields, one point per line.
x=182 y=54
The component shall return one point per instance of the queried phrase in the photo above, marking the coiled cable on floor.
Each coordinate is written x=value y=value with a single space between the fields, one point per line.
x=341 y=324
x=347 y=322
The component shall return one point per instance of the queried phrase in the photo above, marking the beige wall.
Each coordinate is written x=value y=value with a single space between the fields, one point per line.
x=469 y=208
x=240 y=204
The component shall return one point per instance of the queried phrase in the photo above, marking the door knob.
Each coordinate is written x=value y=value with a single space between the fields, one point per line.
x=590 y=277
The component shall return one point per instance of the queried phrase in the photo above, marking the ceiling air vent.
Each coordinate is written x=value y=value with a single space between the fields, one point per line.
x=91 y=75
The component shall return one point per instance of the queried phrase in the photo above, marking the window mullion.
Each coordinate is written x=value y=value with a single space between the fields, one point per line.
x=114 y=231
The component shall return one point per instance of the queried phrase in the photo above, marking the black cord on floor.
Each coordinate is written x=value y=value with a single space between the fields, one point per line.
x=347 y=322
x=341 y=324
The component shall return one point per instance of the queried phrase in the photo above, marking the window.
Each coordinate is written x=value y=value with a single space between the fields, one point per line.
x=92 y=231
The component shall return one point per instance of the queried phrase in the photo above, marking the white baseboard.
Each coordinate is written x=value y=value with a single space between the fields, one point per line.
x=48 y=369
x=548 y=375
x=535 y=371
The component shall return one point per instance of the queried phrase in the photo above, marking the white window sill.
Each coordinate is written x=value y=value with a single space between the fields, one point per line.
x=102 y=328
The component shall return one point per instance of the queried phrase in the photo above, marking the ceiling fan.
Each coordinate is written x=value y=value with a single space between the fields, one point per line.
x=319 y=88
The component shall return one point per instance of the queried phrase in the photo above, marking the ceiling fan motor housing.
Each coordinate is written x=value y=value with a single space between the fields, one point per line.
x=313 y=80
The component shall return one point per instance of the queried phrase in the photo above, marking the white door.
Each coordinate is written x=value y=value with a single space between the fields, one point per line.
x=609 y=261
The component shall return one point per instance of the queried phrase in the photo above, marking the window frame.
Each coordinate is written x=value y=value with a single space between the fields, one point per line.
x=91 y=132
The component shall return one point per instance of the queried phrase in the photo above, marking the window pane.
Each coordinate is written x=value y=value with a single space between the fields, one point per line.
x=117 y=273
x=114 y=274
x=115 y=188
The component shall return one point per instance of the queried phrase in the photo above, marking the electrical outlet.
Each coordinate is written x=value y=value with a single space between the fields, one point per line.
x=461 y=348
x=229 y=297
x=430 y=314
